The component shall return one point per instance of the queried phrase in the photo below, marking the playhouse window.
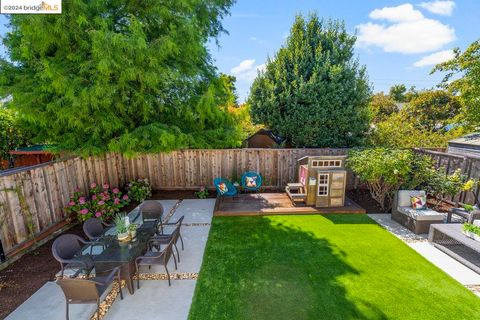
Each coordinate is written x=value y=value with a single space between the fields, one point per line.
x=326 y=163
x=323 y=184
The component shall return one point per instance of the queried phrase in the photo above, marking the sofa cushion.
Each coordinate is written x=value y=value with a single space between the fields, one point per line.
x=427 y=214
x=405 y=195
x=419 y=202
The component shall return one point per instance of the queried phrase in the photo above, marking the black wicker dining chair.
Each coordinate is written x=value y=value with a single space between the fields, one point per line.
x=88 y=291
x=93 y=228
x=64 y=249
x=155 y=258
x=152 y=210
x=164 y=239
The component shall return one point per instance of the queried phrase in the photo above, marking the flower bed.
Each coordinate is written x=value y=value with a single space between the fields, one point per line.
x=101 y=202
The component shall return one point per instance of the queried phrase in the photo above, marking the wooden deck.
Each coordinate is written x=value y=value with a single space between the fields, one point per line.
x=258 y=204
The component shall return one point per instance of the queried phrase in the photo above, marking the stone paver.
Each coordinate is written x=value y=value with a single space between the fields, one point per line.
x=195 y=211
x=195 y=239
x=155 y=299
x=49 y=303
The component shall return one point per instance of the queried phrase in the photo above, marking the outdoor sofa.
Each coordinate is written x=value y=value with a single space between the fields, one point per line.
x=417 y=221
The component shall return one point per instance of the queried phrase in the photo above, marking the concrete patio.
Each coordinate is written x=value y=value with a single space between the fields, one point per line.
x=157 y=299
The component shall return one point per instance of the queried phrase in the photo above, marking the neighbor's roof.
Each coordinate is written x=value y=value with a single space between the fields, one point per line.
x=35 y=149
x=472 y=139
x=270 y=134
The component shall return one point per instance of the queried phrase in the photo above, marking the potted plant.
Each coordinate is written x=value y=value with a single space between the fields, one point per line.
x=121 y=226
x=471 y=231
x=132 y=229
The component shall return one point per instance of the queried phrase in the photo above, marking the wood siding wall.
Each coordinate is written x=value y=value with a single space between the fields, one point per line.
x=32 y=199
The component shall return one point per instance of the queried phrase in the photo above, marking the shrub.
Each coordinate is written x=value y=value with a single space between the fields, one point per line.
x=139 y=189
x=386 y=170
x=202 y=193
x=102 y=202
x=443 y=184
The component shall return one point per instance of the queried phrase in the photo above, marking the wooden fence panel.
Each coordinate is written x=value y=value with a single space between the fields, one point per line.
x=33 y=199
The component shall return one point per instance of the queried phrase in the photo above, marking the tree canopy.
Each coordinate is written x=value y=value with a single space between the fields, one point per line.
x=381 y=106
x=129 y=76
x=466 y=65
x=397 y=92
x=434 y=109
x=13 y=135
x=400 y=131
x=314 y=92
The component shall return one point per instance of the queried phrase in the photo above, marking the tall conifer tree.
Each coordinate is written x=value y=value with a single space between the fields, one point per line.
x=314 y=92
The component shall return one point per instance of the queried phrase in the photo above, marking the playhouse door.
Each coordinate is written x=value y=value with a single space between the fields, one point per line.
x=331 y=188
x=337 y=188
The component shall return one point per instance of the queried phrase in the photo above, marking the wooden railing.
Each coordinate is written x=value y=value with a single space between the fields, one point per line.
x=469 y=166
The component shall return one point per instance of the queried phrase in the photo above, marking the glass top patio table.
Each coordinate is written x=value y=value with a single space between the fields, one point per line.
x=107 y=252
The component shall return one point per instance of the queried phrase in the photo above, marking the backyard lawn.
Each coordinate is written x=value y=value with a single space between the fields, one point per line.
x=320 y=267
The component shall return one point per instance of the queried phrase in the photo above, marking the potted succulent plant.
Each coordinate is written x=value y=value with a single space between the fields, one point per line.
x=121 y=226
x=132 y=229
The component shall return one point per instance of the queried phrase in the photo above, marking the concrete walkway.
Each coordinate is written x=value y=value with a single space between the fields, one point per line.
x=419 y=243
x=155 y=299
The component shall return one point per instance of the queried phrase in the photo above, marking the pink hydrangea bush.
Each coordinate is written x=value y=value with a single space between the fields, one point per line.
x=102 y=202
x=79 y=206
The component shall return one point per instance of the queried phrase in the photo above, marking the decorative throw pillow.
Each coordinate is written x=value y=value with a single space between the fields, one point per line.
x=251 y=182
x=222 y=187
x=419 y=202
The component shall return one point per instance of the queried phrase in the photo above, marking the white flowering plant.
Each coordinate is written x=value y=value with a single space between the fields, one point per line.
x=139 y=190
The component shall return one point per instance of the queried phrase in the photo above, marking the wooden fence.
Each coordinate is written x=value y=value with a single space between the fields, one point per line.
x=469 y=166
x=32 y=199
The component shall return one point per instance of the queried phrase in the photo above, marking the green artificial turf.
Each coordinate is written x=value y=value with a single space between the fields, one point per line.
x=320 y=267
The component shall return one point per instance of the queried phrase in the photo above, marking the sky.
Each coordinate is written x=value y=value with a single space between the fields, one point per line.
x=398 y=41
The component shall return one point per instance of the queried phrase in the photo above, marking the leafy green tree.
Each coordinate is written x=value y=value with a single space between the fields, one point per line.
x=433 y=110
x=397 y=92
x=411 y=94
x=381 y=106
x=227 y=83
x=385 y=170
x=243 y=117
x=129 y=76
x=399 y=131
x=463 y=77
x=314 y=92
x=13 y=135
